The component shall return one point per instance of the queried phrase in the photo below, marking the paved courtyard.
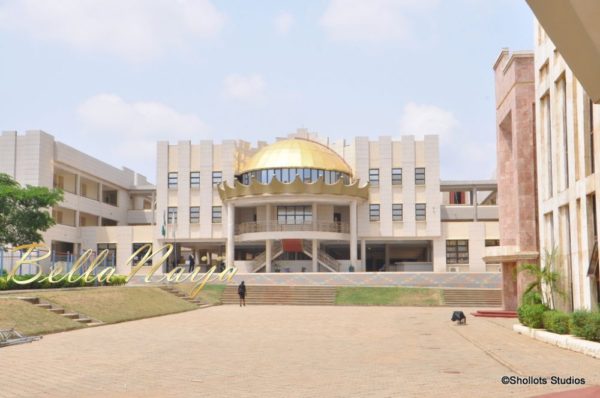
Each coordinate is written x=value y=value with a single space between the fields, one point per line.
x=277 y=351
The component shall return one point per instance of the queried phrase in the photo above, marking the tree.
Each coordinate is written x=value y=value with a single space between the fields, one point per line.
x=24 y=211
x=544 y=276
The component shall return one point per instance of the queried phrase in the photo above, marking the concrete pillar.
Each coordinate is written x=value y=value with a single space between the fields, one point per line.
x=439 y=255
x=386 y=251
x=269 y=254
x=363 y=255
x=314 y=216
x=315 y=255
x=230 y=245
x=474 y=202
x=268 y=216
x=353 y=234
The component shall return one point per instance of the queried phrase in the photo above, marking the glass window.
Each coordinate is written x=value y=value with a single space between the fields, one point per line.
x=294 y=214
x=320 y=173
x=492 y=242
x=306 y=175
x=420 y=176
x=216 y=214
x=457 y=252
x=111 y=258
x=278 y=174
x=420 y=211
x=313 y=175
x=195 y=179
x=397 y=212
x=137 y=246
x=217 y=177
x=172 y=215
x=195 y=215
x=374 y=212
x=172 y=180
x=397 y=176
x=374 y=176
x=285 y=175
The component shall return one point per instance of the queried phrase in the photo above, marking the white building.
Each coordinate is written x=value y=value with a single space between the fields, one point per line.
x=300 y=204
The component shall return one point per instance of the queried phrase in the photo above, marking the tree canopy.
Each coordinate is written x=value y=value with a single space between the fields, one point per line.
x=24 y=211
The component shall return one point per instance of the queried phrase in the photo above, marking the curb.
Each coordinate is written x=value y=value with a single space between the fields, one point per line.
x=567 y=341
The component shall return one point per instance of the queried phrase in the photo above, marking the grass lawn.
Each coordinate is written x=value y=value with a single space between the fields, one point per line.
x=400 y=296
x=31 y=320
x=118 y=304
x=210 y=294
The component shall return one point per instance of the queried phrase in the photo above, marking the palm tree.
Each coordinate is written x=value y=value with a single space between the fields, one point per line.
x=544 y=276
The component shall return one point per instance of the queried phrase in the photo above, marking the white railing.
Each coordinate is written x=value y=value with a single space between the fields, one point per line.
x=320 y=226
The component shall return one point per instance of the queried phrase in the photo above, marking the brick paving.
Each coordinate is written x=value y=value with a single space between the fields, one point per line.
x=282 y=351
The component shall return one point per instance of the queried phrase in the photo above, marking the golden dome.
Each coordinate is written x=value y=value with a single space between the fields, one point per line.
x=296 y=153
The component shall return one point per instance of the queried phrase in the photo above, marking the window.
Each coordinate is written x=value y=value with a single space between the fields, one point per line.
x=457 y=252
x=216 y=214
x=195 y=179
x=137 y=246
x=374 y=176
x=373 y=212
x=396 y=176
x=172 y=180
x=217 y=177
x=492 y=242
x=195 y=215
x=172 y=215
x=397 y=212
x=457 y=198
x=294 y=214
x=420 y=211
x=111 y=258
x=419 y=175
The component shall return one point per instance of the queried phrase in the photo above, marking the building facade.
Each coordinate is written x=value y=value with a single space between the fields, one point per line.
x=567 y=153
x=299 y=204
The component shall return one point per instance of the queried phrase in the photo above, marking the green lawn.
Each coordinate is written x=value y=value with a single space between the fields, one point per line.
x=399 y=296
x=118 y=304
x=210 y=294
x=31 y=320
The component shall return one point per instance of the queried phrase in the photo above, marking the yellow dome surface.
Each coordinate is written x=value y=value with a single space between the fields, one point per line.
x=296 y=153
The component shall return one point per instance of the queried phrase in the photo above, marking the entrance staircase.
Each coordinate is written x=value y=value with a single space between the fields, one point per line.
x=485 y=298
x=281 y=295
x=260 y=261
x=324 y=259
x=178 y=293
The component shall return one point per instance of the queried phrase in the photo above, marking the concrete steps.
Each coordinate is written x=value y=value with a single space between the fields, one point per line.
x=282 y=295
x=473 y=297
x=178 y=293
x=495 y=314
x=84 y=320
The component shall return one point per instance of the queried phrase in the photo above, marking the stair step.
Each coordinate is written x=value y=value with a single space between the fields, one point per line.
x=71 y=315
x=44 y=305
x=31 y=300
x=84 y=320
x=57 y=310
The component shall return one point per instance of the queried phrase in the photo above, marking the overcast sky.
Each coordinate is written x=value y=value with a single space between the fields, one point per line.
x=111 y=77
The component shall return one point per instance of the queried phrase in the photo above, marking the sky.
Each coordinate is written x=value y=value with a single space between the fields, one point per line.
x=112 y=77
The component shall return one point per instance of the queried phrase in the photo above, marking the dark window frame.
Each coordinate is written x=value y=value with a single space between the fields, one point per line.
x=172 y=180
x=420 y=211
x=194 y=214
x=420 y=176
x=194 y=179
x=374 y=212
x=397 y=176
x=397 y=212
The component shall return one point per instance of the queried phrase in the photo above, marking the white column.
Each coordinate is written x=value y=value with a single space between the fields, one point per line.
x=363 y=255
x=268 y=216
x=353 y=234
x=474 y=203
x=314 y=216
x=269 y=254
x=315 y=254
x=230 y=245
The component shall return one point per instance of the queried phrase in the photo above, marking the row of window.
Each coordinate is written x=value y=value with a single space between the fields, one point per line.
x=397 y=212
x=217 y=212
x=397 y=176
x=287 y=175
x=173 y=179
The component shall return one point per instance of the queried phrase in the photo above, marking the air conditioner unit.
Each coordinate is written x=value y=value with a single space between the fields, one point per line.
x=454 y=269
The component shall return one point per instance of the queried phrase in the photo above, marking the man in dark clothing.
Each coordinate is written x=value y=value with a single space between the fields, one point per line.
x=242 y=293
x=192 y=262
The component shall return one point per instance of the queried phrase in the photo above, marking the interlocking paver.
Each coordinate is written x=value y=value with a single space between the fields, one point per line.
x=273 y=351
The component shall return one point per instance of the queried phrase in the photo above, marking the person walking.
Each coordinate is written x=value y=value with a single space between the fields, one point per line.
x=242 y=293
x=191 y=262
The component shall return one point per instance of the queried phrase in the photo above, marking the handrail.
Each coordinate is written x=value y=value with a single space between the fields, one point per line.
x=273 y=226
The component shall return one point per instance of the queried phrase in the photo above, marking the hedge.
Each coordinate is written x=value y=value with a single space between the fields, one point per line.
x=12 y=285
x=556 y=322
x=532 y=315
x=585 y=324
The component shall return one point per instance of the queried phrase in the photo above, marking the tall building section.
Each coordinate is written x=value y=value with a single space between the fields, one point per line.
x=516 y=171
x=567 y=152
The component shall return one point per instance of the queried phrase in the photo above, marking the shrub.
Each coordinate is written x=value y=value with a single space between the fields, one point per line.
x=556 y=322
x=532 y=297
x=2 y=283
x=585 y=325
x=531 y=315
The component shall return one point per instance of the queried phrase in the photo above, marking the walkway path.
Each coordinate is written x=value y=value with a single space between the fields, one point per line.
x=279 y=351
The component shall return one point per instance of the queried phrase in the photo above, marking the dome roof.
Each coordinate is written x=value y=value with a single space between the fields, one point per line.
x=296 y=153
